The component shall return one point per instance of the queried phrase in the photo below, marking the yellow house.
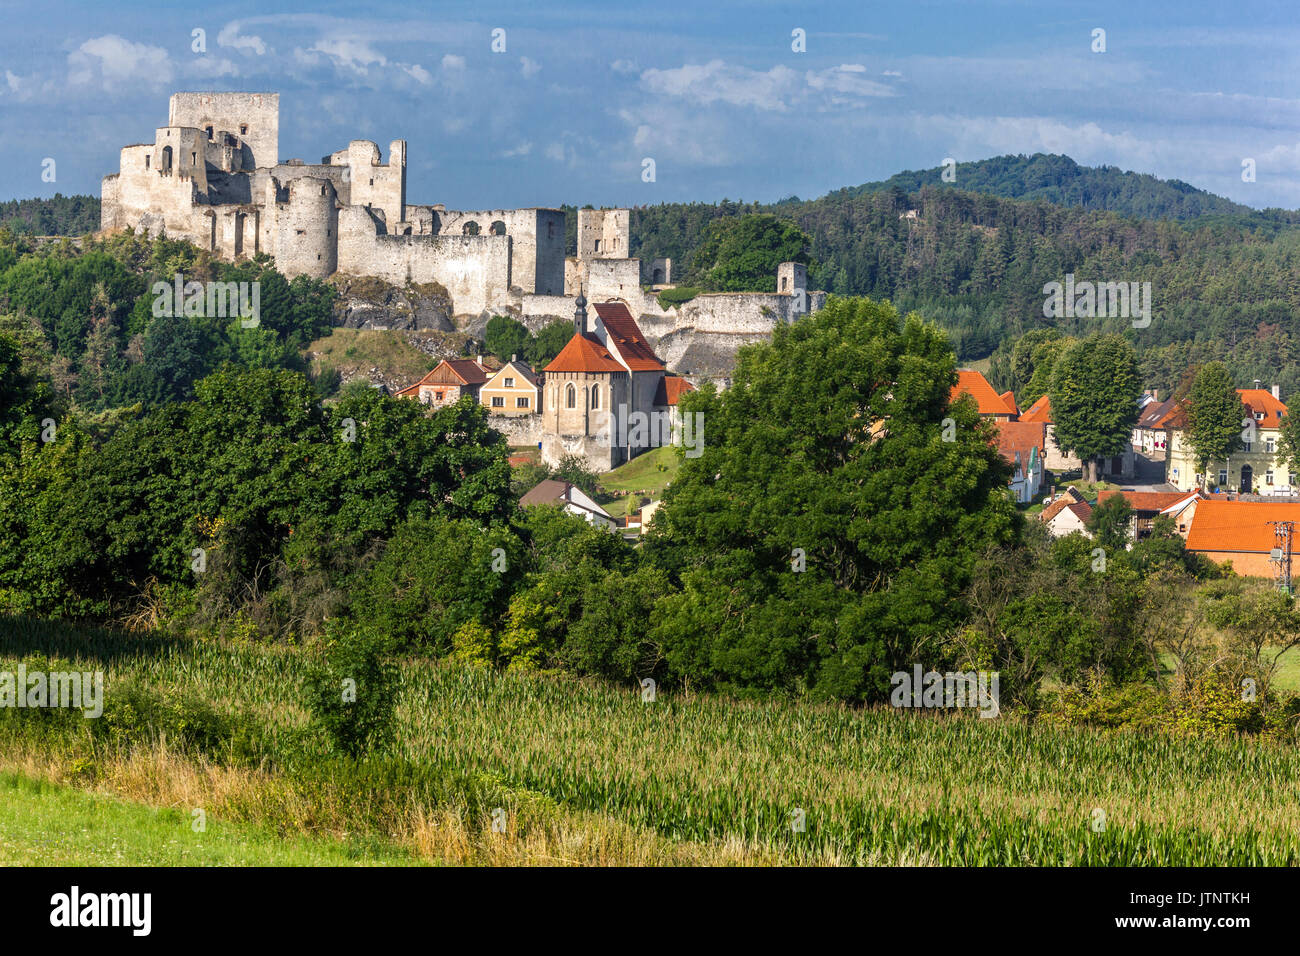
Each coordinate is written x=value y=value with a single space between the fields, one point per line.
x=1253 y=469
x=513 y=390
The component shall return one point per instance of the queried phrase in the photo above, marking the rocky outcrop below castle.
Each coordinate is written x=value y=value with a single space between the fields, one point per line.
x=365 y=302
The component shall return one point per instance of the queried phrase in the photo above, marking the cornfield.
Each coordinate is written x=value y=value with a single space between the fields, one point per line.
x=784 y=781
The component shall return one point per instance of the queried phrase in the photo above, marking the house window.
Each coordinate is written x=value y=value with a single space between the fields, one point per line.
x=510 y=383
x=1245 y=446
x=1223 y=476
x=521 y=402
x=1270 y=445
x=570 y=398
x=438 y=395
x=498 y=401
x=1268 y=477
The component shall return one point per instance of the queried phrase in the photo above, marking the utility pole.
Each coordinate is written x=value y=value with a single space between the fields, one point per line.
x=1283 y=534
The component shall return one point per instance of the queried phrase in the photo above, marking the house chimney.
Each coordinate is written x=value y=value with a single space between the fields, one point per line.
x=1258 y=383
x=478 y=359
x=513 y=356
x=1277 y=392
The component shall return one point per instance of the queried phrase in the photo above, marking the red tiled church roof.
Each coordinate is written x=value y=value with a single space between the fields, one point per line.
x=627 y=338
x=584 y=354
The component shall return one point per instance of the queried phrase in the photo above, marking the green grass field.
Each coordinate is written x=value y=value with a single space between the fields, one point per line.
x=42 y=824
x=642 y=473
x=586 y=772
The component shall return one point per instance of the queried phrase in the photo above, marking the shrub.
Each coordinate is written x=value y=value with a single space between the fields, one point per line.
x=353 y=693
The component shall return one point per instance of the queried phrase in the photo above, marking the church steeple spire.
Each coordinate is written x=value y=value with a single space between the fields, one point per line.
x=580 y=314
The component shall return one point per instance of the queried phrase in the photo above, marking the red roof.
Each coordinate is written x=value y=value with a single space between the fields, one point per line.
x=1020 y=437
x=1062 y=501
x=1040 y=411
x=1255 y=400
x=671 y=388
x=1009 y=400
x=584 y=354
x=1220 y=525
x=452 y=372
x=626 y=336
x=978 y=387
x=1147 y=500
x=1261 y=401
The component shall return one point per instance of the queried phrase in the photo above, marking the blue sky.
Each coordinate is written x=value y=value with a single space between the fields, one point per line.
x=710 y=89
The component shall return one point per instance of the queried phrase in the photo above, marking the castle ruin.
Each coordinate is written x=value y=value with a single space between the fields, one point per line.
x=213 y=176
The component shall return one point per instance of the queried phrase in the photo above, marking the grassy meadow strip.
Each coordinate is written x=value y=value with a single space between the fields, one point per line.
x=587 y=773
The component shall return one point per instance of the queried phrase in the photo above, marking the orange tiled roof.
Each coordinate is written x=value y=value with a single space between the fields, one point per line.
x=584 y=354
x=1040 y=411
x=671 y=388
x=1009 y=400
x=627 y=338
x=1254 y=399
x=977 y=386
x=452 y=372
x=1148 y=500
x=1261 y=400
x=1220 y=525
x=1020 y=437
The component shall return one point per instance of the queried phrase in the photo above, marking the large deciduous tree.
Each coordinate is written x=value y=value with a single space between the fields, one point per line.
x=1094 y=391
x=827 y=530
x=1214 y=416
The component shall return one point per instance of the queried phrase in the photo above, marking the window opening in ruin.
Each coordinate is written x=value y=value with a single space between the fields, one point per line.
x=470 y=229
x=194 y=159
x=208 y=130
x=598 y=245
x=147 y=157
x=498 y=228
x=243 y=129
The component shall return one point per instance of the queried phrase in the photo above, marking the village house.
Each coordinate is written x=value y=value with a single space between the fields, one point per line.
x=1255 y=468
x=1021 y=443
x=1240 y=532
x=514 y=389
x=1151 y=431
x=448 y=382
x=1067 y=513
x=1000 y=408
x=564 y=494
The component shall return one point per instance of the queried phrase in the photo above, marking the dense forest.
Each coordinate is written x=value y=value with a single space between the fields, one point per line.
x=59 y=216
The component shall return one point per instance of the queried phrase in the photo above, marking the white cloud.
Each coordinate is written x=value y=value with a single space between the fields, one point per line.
x=354 y=55
x=420 y=73
x=529 y=68
x=114 y=61
x=523 y=149
x=624 y=66
x=230 y=36
x=451 y=61
x=776 y=90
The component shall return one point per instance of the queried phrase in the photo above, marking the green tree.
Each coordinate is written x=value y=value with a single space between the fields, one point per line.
x=741 y=255
x=1214 y=416
x=553 y=337
x=1094 y=392
x=1110 y=522
x=828 y=528
x=505 y=337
